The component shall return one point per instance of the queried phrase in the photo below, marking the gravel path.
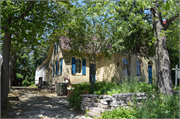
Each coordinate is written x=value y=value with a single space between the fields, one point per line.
x=34 y=104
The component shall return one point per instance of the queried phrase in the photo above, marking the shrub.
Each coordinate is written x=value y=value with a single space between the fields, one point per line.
x=75 y=99
x=25 y=82
x=145 y=87
x=163 y=106
x=119 y=113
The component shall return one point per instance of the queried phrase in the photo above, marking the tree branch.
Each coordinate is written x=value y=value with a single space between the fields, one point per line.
x=168 y=22
x=27 y=10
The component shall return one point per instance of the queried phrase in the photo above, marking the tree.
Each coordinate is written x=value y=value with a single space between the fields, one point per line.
x=25 y=20
x=88 y=32
x=159 y=10
x=132 y=36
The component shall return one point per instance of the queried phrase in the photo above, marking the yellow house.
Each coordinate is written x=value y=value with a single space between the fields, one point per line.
x=59 y=63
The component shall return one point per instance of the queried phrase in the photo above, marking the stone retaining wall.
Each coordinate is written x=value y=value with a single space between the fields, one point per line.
x=107 y=102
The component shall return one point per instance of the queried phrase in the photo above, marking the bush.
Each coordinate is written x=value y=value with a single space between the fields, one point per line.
x=128 y=86
x=119 y=113
x=19 y=76
x=25 y=82
x=163 y=106
x=75 y=99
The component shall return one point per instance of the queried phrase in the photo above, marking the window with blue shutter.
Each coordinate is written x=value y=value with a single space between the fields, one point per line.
x=53 y=69
x=54 y=48
x=57 y=45
x=84 y=67
x=73 y=65
x=138 y=68
x=125 y=66
x=61 y=66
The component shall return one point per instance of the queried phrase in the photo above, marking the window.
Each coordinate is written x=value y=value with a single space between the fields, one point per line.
x=37 y=73
x=78 y=66
x=125 y=66
x=138 y=65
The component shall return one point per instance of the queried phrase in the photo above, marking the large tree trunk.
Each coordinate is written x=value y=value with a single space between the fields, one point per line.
x=5 y=70
x=11 y=70
x=163 y=71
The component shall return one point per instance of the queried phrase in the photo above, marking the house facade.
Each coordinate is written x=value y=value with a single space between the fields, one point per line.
x=59 y=64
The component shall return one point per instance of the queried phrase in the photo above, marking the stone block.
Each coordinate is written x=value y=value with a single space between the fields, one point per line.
x=120 y=102
x=141 y=94
x=93 y=114
x=142 y=97
x=122 y=95
x=96 y=110
x=89 y=95
x=86 y=99
x=103 y=102
x=105 y=96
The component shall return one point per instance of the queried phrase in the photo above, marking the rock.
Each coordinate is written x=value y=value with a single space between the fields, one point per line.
x=96 y=110
x=103 y=102
x=18 y=113
x=12 y=113
x=88 y=95
x=93 y=114
x=105 y=96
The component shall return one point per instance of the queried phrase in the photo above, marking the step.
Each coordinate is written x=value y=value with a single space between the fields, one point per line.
x=96 y=110
x=93 y=114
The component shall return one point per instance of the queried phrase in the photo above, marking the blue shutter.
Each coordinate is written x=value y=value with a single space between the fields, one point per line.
x=57 y=68
x=53 y=69
x=54 y=48
x=84 y=67
x=73 y=65
x=61 y=66
x=57 y=45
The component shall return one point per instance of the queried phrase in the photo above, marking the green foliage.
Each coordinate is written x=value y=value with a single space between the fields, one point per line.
x=19 y=75
x=75 y=99
x=32 y=85
x=162 y=106
x=128 y=86
x=177 y=88
x=26 y=82
x=119 y=113
x=145 y=87
x=28 y=22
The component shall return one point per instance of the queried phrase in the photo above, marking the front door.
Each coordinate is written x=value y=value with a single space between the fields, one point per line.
x=91 y=73
x=150 y=73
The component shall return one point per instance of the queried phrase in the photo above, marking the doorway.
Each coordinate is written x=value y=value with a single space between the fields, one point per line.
x=150 y=72
x=91 y=65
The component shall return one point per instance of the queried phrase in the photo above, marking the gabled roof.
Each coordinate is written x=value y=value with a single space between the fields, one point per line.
x=66 y=44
